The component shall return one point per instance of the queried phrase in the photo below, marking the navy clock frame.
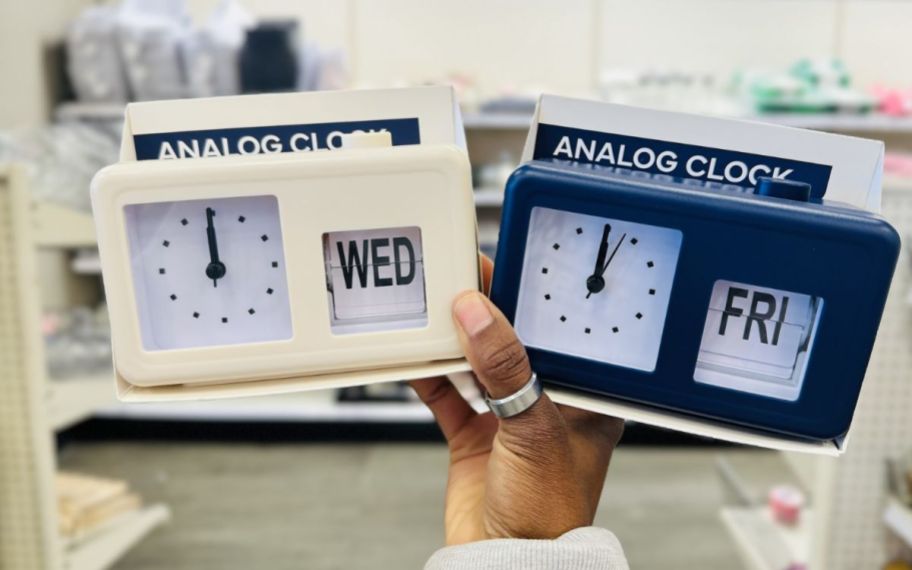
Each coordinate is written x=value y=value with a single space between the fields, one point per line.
x=842 y=254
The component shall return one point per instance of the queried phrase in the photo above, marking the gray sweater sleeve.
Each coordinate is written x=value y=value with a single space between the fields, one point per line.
x=586 y=548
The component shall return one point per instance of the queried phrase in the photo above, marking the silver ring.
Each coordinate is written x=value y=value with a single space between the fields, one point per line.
x=518 y=402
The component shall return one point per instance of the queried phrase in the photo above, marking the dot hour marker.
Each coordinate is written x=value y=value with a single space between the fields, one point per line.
x=649 y=264
x=161 y=270
x=224 y=319
x=556 y=246
x=547 y=297
x=269 y=291
x=579 y=231
x=633 y=241
x=588 y=330
x=166 y=243
x=242 y=219
x=544 y=270
x=196 y=315
x=264 y=237
x=250 y=311
x=652 y=291
x=184 y=222
x=615 y=329
x=639 y=315
x=275 y=263
x=563 y=319
x=173 y=297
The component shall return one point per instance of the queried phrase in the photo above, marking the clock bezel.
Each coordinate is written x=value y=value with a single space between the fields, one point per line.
x=316 y=193
x=764 y=227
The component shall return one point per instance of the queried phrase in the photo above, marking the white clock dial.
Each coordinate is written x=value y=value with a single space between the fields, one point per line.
x=596 y=288
x=375 y=279
x=209 y=272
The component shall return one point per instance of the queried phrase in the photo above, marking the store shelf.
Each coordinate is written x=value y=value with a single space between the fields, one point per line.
x=86 y=263
x=316 y=407
x=497 y=121
x=489 y=197
x=804 y=466
x=898 y=518
x=90 y=111
x=764 y=544
x=58 y=226
x=102 y=548
x=868 y=123
x=892 y=182
x=72 y=400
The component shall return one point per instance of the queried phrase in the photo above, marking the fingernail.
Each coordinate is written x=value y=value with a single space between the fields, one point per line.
x=472 y=313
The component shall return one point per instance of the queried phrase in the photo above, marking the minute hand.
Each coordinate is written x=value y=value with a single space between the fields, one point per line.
x=616 y=248
x=215 y=270
x=210 y=236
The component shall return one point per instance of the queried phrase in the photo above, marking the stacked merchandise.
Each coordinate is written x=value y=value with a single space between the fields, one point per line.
x=140 y=50
x=78 y=342
x=86 y=503
x=62 y=158
x=810 y=86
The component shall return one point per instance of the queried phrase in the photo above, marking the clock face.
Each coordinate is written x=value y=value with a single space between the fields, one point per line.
x=596 y=288
x=375 y=279
x=209 y=272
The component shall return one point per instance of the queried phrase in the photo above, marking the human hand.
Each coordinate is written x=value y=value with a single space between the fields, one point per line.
x=535 y=475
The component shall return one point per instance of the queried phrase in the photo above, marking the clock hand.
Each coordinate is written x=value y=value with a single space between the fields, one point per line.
x=603 y=251
x=616 y=248
x=595 y=282
x=215 y=270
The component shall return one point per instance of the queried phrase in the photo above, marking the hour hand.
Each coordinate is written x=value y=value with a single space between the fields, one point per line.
x=215 y=270
x=595 y=282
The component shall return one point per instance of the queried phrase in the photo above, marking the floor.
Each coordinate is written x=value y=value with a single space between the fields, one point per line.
x=320 y=506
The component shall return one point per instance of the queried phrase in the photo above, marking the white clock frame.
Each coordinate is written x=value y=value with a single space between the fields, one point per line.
x=354 y=189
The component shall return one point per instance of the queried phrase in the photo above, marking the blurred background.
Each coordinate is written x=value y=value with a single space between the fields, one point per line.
x=355 y=478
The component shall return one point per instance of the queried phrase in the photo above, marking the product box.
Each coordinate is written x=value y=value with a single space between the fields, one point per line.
x=740 y=270
x=283 y=242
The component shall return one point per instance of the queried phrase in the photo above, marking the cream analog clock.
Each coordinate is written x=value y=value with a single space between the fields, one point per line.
x=321 y=265
x=596 y=287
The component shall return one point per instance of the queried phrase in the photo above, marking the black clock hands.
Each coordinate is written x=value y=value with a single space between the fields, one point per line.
x=215 y=270
x=595 y=283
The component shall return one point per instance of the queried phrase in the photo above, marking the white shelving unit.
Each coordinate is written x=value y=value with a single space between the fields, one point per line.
x=311 y=407
x=104 y=547
x=765 y=544
x=869 y=122
x=72 y=400
x=33 y=407
x=898 y=518
x=489 y=197
x=834 y=122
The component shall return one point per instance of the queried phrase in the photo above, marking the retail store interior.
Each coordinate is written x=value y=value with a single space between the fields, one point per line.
x=355 y=477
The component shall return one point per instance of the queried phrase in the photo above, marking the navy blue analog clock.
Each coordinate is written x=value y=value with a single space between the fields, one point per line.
x=753 y=306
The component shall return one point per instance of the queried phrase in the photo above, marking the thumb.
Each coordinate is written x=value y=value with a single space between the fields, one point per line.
x=502 y=367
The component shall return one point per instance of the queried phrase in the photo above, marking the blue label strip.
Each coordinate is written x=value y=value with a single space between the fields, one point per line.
x=267 y=140
x=674 y=159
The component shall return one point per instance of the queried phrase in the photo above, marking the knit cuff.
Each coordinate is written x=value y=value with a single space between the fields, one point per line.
x=587 y=548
